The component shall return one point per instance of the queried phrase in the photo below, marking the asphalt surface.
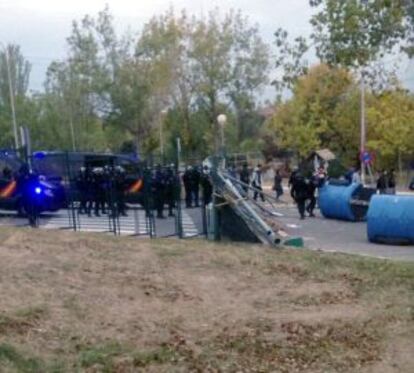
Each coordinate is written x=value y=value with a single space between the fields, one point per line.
x=334 y=235
x=134 y=224
x=318 y=233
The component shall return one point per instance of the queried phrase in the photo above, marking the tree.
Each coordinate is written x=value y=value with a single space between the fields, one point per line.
x=289 y=59
x=392 y=135
x=19 y=69
x=322 y=113
x=230 y=61
x=354 y=33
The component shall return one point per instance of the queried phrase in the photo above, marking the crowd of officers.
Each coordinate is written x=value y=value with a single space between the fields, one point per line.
x=302 y=189
x=102 y=190
x=164 y=187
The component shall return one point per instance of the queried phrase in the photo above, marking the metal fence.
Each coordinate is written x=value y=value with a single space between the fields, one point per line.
x=95 y=194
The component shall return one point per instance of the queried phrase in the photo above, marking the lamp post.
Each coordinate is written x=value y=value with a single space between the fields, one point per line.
x=11 y=92
x=363 y=122
x=221 y=120
x=163 y=114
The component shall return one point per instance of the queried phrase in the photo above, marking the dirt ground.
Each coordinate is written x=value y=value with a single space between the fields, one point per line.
x=95 y=303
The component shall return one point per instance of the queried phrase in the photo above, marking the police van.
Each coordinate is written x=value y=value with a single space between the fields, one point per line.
x=15 y=188
x=64 y=168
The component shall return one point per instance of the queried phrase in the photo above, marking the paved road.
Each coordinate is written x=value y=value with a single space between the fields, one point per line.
x=334 y=235
x=318 y=233
x=135 y=224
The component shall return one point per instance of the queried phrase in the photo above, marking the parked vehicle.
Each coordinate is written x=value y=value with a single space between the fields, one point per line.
x=64 y=167
x=20 y=184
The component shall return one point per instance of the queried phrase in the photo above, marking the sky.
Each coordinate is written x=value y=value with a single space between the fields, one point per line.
x=41 y=27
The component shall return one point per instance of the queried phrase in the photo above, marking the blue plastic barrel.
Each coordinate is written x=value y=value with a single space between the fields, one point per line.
x=335 y=201
x=391 y=219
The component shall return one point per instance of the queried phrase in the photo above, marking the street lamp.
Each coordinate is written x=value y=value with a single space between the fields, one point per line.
x=362 y=121
x=162 y=118
x=221 y=120
x=11 y=92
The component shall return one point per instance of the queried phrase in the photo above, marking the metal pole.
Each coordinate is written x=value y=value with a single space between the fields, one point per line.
x=161 y=140
x=72 y=130
x=11 y=91
x=363 y=129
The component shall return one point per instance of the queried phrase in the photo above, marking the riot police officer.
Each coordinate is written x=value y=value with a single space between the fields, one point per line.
x=119 y=185
x=245 y=177
x=206 y=186
x=170 y=189
x=82 y=186
x=299 y=193
x=98 y=188
x=187 y=186
x=158 y=185
x=195 y=185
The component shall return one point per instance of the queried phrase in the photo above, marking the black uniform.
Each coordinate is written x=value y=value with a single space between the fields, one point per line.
x=277 y=185
x=158 y=186
x=206 y=187
x=82 y=185
x=187 y=188
x=170 y=190
x=299 y=192
x=98 y=191
x=119 y=186
x=195 y=185
x=312 y=184
x=245 y=178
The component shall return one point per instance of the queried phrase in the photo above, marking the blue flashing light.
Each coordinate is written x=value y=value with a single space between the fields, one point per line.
x=38 y=190
x=39 y=155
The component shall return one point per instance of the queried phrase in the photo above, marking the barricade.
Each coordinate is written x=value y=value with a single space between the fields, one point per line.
x=391 y=219
x=345 y=201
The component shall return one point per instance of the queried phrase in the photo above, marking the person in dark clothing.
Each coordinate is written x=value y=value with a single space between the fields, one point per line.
x=277 y=185
x=206 y=186
x=195 y=185
x=312 y=185
x=27 y=182
x=119 y=186
x=392 y=184
x=7 y=173
x=382 y=183
x=82 y=185
x=148 y=201
x=159 y=191
x=299 y=192
x=292 y=177
x=170 y=189
x=187 y=187
x=245 y=177
x=257 y=183
x=98 y=190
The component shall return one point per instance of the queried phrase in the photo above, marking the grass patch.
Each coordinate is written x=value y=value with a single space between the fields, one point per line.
x=113 y=357
x=21 y=320
x=13 y=361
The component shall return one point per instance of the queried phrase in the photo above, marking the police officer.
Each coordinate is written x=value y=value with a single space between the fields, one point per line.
x=299 y=192
x=98 y=189
x=158 y=185
x=119 y=186
x=170 y=189
x=27 y=182
x=312 y=185
x=245 y=177
x=187 y=187
x=257 y=183
x=206 y=186
x=82 y=186
x=195 y=185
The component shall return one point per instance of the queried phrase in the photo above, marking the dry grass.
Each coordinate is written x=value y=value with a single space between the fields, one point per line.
x=94 y=303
